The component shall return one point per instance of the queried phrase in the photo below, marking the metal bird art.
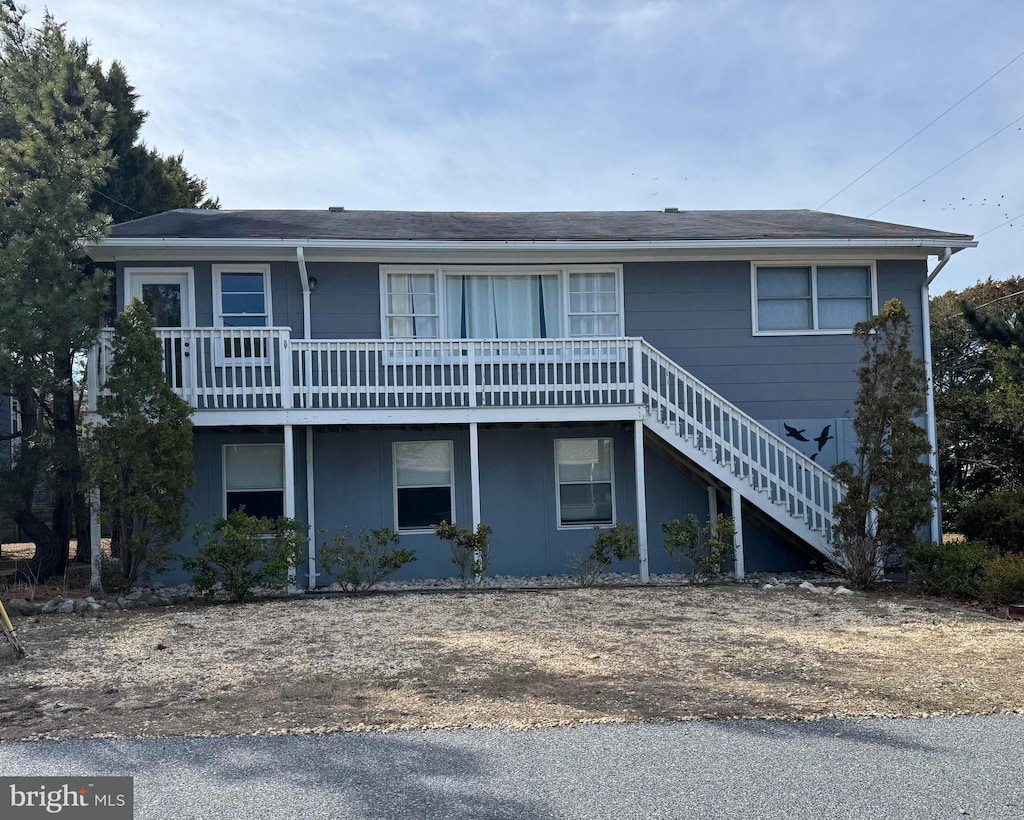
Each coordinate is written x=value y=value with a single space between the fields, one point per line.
x=792 y=432
x=824 y=438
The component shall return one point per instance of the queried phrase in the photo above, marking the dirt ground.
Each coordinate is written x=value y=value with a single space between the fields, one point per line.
x=506 y=659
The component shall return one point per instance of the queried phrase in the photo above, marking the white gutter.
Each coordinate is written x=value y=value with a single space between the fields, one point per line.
x=933 y=437
x=537 y=245
x=306 y=326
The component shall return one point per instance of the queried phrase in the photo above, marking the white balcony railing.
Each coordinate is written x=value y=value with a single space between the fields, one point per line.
x=263 y=368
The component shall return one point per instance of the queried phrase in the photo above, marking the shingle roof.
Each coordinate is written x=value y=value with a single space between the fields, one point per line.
x=516 y=226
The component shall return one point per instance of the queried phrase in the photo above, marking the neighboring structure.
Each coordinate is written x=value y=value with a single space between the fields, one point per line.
x=544 y=373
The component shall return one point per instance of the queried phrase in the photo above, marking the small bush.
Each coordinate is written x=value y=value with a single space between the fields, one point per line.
x=997 y=519
x=1004 y=579
x=861 y=559
x=618 y=543
x=240 y=554
x=699 y=548
x=954 y=570
x=362 y=564
x=471 y=551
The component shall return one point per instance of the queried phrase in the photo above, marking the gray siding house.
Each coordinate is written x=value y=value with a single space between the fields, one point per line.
x=544 y=373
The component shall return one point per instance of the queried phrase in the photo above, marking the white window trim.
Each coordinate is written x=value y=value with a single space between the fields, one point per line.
x=394 y=481
x=218 y=307
x=815 y=331
x=440 y=272
x=224 y=472
x=133 y=274
x=558 y=484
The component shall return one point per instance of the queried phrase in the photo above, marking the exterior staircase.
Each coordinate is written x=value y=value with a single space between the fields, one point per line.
x=738 y=451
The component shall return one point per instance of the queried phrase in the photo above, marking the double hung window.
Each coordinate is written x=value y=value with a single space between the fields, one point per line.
x=254 y=479
x=423 y=484
x=812 y=298
x=241 y=298
x=584 y=473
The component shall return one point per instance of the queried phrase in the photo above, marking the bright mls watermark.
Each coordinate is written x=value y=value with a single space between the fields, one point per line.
x=82 y=798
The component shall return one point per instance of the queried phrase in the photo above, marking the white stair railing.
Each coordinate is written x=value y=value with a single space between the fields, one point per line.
x=698 y=418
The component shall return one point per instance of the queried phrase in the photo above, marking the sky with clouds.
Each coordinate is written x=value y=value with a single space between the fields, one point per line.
x=576 y=105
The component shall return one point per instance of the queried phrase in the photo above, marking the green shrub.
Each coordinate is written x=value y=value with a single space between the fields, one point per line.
x=363 y=563
x=699 y=548
x=1004 y=579
x=955 y=570
x=471 y=551
x=997 y=519
x=240 y=554
x=618 y=543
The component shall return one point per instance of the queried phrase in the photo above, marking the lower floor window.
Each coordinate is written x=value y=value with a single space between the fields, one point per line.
x=254 y=479
x=423 y=483
x=584 y=473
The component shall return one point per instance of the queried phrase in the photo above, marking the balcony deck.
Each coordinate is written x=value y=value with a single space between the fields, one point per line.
x=263 y=376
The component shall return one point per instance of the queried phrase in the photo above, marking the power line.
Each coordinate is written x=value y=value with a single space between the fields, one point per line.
x=944 y=167
x=997 y=227
x=929 y=125
x=117 y=202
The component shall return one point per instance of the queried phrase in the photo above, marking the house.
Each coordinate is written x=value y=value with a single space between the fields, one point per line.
x=545 y=373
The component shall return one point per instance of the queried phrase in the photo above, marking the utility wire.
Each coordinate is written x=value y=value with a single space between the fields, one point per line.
x=117 y=202
x=997 y=227
x=917 y=134
x=944 y=167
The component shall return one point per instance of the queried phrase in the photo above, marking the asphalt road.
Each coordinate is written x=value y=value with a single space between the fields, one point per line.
x=914 y=769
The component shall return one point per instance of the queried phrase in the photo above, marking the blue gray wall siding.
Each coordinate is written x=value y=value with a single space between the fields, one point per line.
x=518 y=496
x=346 y=302
x=699 y=314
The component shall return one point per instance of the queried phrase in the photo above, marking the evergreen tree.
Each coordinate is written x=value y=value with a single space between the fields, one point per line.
x=889 y=487
x=141 y=455
x=53 y=155
x=141 y=181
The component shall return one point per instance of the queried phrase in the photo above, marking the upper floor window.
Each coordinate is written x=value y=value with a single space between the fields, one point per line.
x=241 y=296
x=500 y=302
x=812 y=298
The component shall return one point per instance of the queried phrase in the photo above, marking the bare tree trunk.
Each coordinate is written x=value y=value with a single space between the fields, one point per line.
x=95 y=552
x=83 y=529
x=48 y=559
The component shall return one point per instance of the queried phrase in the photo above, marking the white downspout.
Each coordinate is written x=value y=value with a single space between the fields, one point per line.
x=301 y=259
x=933 y=438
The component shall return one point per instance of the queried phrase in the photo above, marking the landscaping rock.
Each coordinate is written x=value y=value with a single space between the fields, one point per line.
x=80 y=605
x=65 y=607
x=17 y=606
x=51 y=606
x=808 y=586
x=112 y=605
x=768 y=586
x=841 y=590
x=822 y=590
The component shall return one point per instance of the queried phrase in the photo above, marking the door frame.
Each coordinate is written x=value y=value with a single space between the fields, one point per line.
x=150 y=274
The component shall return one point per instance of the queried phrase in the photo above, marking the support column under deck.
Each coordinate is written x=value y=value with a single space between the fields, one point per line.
x=289 y=485
x=474 y=472
x=737 y=539
x=310 y=508
x=641 y=499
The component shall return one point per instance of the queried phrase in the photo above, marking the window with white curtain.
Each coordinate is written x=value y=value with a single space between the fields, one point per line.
x=584 y=474
x=478 y=303
x=423 y=483
x=254 y=479
x=503 y=306
x=812 y=298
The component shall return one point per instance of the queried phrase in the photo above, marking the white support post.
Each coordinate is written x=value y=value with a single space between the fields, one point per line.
x=289 y=488
x=641 y=499
x=95 y=542
x=310 y=507
x=474 y=471
x=737 y=539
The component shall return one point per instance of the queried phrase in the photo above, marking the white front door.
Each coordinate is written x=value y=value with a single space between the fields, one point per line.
x=168 y=297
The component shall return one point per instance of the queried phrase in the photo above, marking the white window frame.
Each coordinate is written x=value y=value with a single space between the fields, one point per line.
x=558 y=485
x=814 y=330
x=224 y=473
x=238 y=267
x=134 y=274
x=441 y=272
x=394 y=480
